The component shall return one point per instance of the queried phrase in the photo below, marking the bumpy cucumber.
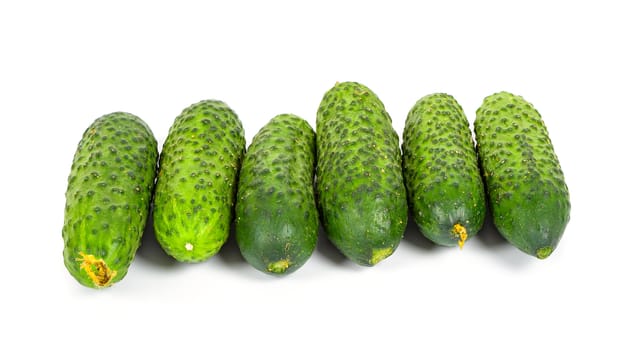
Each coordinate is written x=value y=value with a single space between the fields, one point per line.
x=524 y=181
x=108 y=198
x=195 y=191
x=443 y=182
x=276 y=215
x=361 y=192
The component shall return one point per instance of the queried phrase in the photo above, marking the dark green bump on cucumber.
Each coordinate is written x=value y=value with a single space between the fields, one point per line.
x=195 y=191
x=276 y=215
x=526 y=190
x=443 y=182
x=108 y=198
x=361 y=193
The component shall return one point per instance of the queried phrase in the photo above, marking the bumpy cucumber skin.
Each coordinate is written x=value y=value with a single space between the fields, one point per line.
x=276 y=215
x=526 y=190
x=361 y=193
x=441 y=172
x=195 y=191
x=108 y=196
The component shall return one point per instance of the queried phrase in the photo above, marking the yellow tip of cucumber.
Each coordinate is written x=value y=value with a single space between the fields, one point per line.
x=102 y=276
x=378 y=255
x=544 y=252
x=461 y=234
x=278 y=266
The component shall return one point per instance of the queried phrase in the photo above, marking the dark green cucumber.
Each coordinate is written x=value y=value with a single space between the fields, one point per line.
x=361 y=194
x=525 y=185
x=195 y=191
x=276 y=216
x=443 y=182
x=108 y=198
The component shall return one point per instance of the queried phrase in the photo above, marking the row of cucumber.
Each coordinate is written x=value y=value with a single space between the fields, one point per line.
x=351 y=176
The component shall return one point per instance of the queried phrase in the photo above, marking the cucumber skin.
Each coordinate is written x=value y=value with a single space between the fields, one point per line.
x=195 y=190
x=441 y=172
x=361 y=193
x=526 y=190
x=276 y=213
x=109 y=194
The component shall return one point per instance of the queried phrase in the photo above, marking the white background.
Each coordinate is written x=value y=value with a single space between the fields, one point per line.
x=63 y=64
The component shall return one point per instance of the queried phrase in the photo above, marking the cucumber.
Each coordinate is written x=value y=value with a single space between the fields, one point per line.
x=525 y=185
x=361 y=193
x=443 y=183
x=108 y=198
x=276 y=215
x=195 y=190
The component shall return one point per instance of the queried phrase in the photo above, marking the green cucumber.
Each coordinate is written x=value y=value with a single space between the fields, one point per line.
x=361 y=193
x=276 y=215
x=195 y=190
x=526 y=190
x=108 y=198
x=443 y=182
